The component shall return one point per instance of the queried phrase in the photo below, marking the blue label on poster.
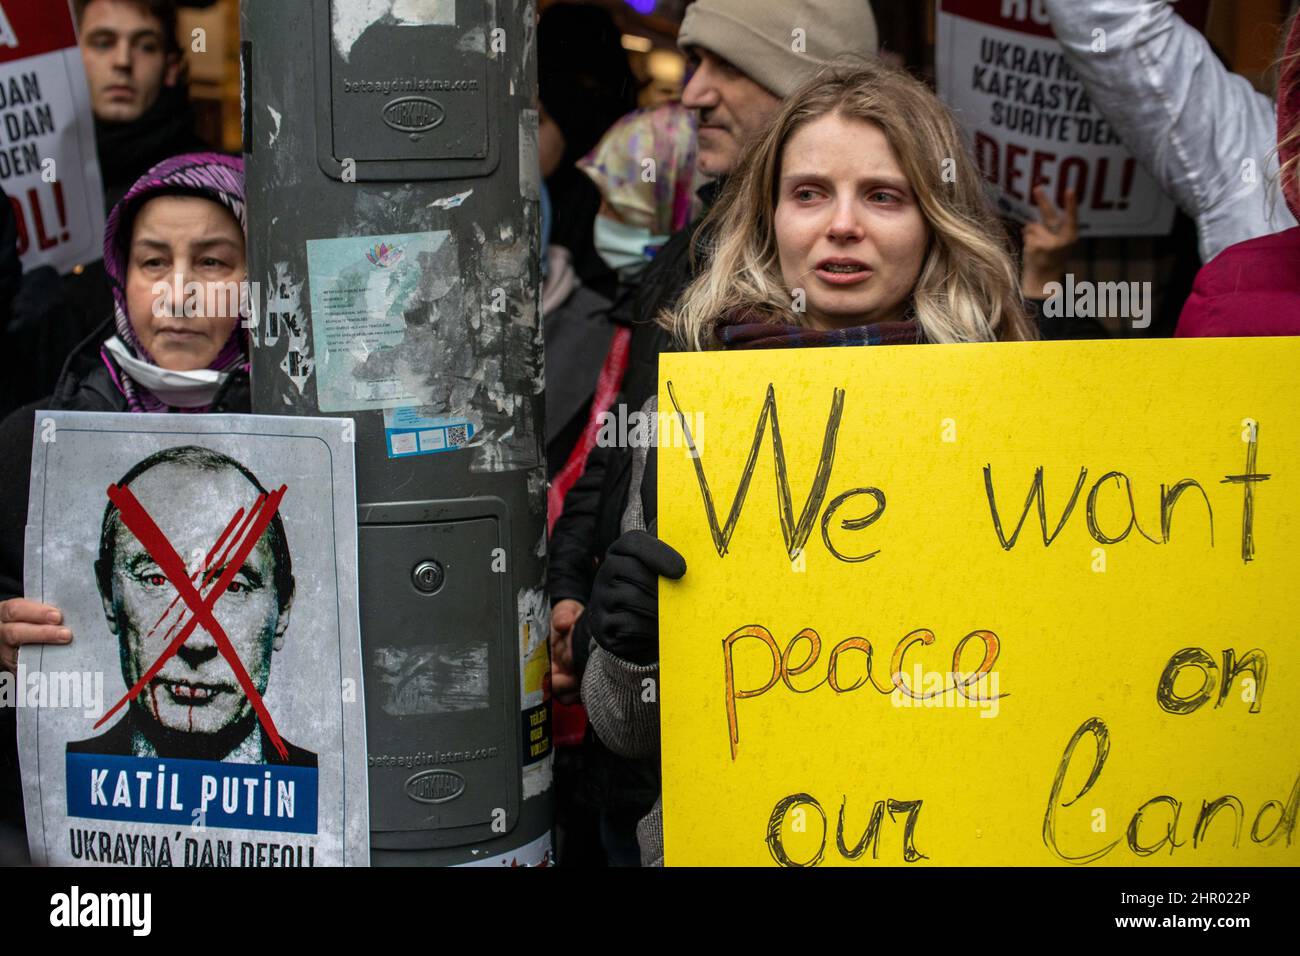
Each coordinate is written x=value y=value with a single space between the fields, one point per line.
x=247 y=796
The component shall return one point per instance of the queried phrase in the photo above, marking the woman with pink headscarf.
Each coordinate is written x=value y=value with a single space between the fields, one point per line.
x=174 y=251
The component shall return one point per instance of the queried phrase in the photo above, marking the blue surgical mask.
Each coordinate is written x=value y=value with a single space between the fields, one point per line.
x=625 y=249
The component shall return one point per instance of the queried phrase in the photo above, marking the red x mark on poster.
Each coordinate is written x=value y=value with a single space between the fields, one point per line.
x=248 y=529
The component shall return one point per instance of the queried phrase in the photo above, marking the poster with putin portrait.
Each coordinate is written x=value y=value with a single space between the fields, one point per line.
x=208 y=710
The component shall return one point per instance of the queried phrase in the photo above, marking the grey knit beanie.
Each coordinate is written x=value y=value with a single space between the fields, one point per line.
x=780 y=43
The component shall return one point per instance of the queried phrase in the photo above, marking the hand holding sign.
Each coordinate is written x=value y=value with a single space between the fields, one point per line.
x=1032 y=120
x=27 y=622
x=564 y=683
x=625 y=598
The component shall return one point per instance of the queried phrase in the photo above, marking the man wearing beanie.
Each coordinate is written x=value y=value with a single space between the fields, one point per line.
x=747 y=56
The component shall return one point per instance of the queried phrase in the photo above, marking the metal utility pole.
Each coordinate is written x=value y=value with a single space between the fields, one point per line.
x=393 y=186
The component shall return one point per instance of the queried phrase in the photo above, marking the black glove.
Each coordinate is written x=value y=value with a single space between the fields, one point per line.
x=623 y=615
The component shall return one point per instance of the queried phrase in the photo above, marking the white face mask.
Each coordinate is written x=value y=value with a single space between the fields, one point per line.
x=177 y=389
x=624 y=248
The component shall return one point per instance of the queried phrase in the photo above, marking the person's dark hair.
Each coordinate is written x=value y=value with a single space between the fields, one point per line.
x=204 y=459
x=164 y=11
x=583 y=76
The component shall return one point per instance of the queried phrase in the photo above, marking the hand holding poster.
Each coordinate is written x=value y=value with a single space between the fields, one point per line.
x=48 y=166
x=1032 y=122
x=952 y=628
x=208 y=711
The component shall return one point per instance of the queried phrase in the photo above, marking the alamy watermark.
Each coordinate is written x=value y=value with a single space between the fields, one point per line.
x=945 y=689
x=133 y=911
x=1099 y=300
x=621 y=429
x=83 y=690
x=191 y=299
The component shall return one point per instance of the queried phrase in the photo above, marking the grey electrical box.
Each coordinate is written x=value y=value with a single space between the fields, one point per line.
x=407 y=102
x=439 y=661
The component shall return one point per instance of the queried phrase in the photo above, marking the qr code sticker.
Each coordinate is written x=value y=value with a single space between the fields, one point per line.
x=456 y=435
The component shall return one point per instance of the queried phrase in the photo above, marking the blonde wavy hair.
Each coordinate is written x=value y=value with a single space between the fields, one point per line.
x=968 y=289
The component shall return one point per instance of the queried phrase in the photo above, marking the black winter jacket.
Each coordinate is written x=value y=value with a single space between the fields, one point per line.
x=594 y=505
x=625 y=789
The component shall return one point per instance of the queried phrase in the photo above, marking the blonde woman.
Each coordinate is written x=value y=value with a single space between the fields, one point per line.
x=859 y=208
x=857 y=218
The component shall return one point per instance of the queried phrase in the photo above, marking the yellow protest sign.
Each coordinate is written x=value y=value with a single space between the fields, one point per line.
x=1008 y=604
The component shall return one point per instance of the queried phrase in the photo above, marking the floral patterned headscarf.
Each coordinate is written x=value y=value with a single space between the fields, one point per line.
x=660 y=197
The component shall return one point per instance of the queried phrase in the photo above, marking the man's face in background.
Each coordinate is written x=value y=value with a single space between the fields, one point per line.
x=732 y=109
x=196 y=691
x=126 y=59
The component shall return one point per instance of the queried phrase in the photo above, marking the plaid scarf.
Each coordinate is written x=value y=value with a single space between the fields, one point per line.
x=746 y=329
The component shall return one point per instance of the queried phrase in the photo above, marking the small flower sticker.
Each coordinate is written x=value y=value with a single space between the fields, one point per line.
x=384 y=255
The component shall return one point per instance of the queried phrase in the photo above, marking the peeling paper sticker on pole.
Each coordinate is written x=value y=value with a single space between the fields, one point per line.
x=420 y=13
x=534 y=653
x=474 y=41
x=534 y=681
x=536 y=853
x=451 y=202
x=509 y=361
x=352 y=18
x=539 y=776
x=530 y=170
x=382 y=308
x=284 y=318
x=276 y=118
